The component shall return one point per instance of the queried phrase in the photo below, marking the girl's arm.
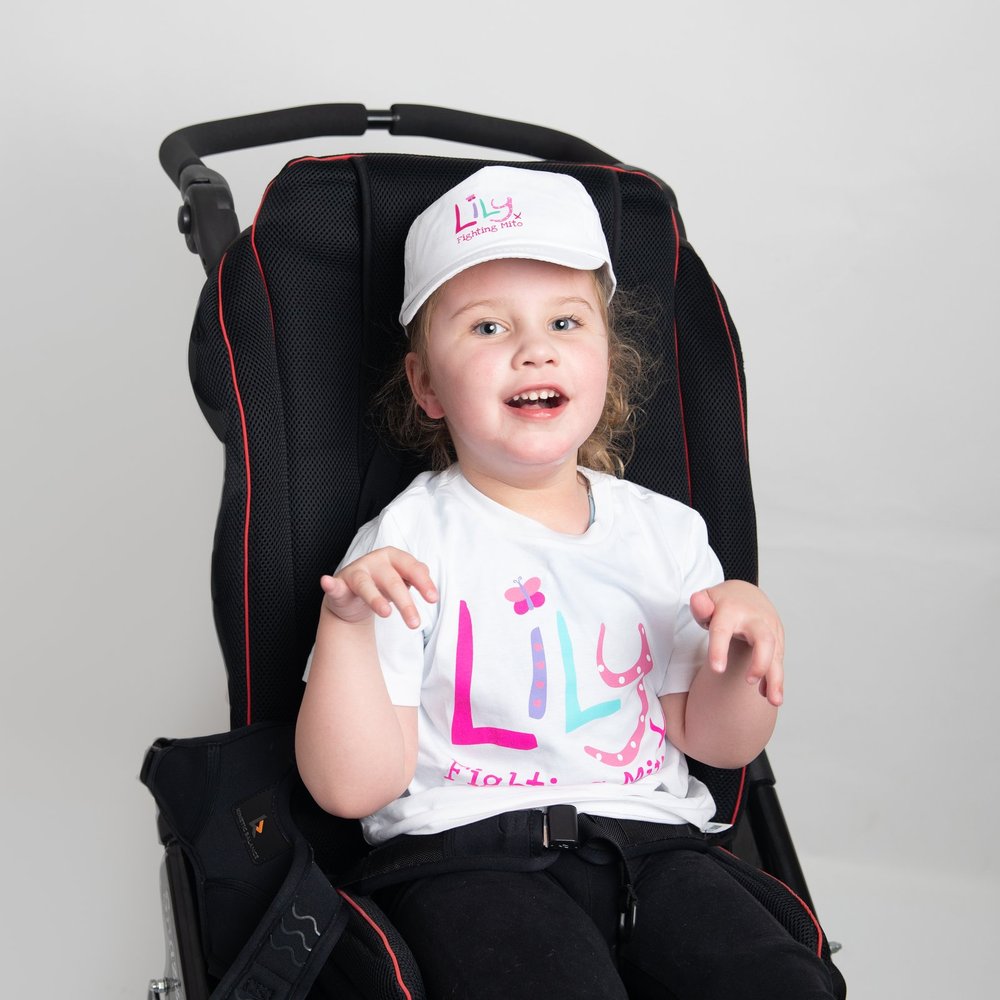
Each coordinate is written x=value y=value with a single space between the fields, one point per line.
x=727 y=716
x=355 y=750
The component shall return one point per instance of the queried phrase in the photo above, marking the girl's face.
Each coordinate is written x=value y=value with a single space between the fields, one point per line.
x=516 y=363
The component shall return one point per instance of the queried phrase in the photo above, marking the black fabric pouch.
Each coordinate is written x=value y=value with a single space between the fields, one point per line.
x=269 y=917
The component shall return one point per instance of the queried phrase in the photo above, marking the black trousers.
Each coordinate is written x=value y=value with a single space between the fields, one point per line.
x=555 y=934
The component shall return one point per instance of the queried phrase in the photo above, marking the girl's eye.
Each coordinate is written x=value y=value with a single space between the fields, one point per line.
x=488 y=328
x=565 y=323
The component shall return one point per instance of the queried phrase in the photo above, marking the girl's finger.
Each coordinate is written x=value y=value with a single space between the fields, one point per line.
x=761 y=658
x=702 y=607
x=772 y=688
x=361 y=583
x=719 y=638
x=417 y=575
x=395 y=588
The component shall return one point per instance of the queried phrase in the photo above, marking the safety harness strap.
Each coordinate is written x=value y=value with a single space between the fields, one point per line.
x=532 y=839
x=513 y=841
x=293 y=939
x=527 y=840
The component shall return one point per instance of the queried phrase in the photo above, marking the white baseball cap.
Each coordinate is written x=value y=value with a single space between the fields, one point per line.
x=502 y=212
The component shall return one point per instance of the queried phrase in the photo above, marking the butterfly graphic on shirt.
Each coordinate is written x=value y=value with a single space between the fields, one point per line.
x=526 y=595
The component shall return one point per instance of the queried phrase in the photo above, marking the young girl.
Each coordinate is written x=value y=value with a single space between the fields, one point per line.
x=523 y=631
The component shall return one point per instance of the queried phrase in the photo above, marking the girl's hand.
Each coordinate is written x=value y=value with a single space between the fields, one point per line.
x=739 y=610
x=376 y=582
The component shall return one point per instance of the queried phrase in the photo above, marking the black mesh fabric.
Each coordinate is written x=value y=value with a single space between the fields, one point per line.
x=779 y=900
x=786 y=907
x=371 y=958
x=729 y=789
x=234 y=373
x=713 y=389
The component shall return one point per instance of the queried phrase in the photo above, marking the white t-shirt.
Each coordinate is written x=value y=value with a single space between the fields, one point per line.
x=538 y=671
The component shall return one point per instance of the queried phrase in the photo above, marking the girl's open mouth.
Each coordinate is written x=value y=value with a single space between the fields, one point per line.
x=546 y=399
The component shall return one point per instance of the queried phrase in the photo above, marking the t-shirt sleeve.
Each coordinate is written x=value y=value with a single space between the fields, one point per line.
x=700 y=569
x=400 y=648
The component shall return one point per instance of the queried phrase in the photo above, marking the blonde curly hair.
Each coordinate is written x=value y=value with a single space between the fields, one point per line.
x=610 y=444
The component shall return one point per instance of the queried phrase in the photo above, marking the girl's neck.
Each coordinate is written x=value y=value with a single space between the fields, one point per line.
x=560 y=501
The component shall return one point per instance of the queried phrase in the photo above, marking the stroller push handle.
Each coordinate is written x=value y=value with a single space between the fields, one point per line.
x=207 y=218
x=187 y=145
x=496 y=133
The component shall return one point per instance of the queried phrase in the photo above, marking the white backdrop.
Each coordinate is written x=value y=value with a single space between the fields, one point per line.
x=837 y=168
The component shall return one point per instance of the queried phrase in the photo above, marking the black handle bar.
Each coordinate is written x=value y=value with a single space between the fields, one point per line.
x=208 y=218
x=186 y=146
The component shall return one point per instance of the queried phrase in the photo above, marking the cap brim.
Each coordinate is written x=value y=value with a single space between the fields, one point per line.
x=566 y=256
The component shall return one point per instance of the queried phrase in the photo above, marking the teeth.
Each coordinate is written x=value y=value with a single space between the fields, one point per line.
x=534 y=395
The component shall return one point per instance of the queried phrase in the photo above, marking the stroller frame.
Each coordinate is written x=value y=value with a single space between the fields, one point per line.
x=208 y=221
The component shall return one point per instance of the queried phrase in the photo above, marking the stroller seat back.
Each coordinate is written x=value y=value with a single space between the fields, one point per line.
x=295 y=332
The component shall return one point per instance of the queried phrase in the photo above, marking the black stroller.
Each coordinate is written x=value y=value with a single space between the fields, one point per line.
x=294 y=334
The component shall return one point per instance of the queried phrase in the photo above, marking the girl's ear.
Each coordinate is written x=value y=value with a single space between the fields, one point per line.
x=420 y=385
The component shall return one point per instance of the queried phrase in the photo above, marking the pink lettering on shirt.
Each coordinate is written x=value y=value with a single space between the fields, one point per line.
x=464 y=732
x=642 y=666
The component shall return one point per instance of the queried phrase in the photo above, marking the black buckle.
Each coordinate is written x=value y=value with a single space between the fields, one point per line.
x=560 y=828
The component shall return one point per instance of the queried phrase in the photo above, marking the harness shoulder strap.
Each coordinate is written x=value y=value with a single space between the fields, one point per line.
x=293 y=939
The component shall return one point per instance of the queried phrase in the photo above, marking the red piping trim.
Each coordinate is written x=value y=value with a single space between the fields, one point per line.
x=677 y=244
x=619 y=170
x=260 y=266
x=246 y=515
x=385 y=941
x=798 y=899
x=260 y=208
x=243 y=419
x=736 y=369
x=739 y=796
x=324 y=159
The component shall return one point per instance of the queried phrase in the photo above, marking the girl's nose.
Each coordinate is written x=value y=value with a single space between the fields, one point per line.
x=535 y=348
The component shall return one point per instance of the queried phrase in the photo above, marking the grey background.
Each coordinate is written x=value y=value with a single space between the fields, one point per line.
x=837 y=170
